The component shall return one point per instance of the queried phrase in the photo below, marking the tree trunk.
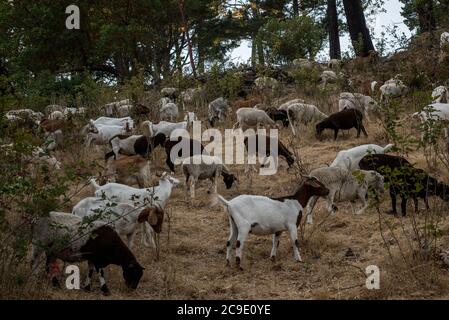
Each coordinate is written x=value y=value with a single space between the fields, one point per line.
x=360 y=36
x=186 y=33
x=334 y=34
x=426 y=16
x=296 y=8
x=260 y=53
x=253 y=51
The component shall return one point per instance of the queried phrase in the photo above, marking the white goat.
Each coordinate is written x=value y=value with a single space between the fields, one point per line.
x=169 y=92
x=56 y=115
x=169 y=111
x=393 y=88
x=334 y=64
x=123 y=217
x=287 y=104
x=164 y=127
x=101 y=134
x=154 y=196
x=440 y=94
x=364 y=104
x=53 y=140
x=201 y=167
x=263 y=216
x=190 y=117
x=344 y=186
x=60 y=226
x=304 y=64
x=300 y=113
x=253 y=118
x=218 y=110
x=112 y=108
x=349 y=159
x=329 y=76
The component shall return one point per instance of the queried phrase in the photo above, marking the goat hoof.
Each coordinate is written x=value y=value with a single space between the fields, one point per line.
x=55 y=283
x=273 y=258
x=105 y=291
x=87 y=288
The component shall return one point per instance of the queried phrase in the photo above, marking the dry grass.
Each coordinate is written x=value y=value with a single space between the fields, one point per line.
x=192 y=256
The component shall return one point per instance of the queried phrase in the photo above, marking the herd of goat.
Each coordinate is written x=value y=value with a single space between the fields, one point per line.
x=127 y=202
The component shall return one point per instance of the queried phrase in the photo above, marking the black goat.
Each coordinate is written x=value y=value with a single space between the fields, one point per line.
x=405 y=180
x=194 y=147
x=131 y=145
x=343 y=120
x=278 y=115
x=282 y=149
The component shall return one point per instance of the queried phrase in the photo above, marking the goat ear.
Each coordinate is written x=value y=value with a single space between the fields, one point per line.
x=152 y=218
x=143 y=216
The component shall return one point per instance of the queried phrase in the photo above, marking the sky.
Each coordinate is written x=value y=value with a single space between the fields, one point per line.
x=391 y=17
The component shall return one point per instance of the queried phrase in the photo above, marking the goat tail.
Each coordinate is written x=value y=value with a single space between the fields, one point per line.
x=388 y=147
x=148 y=235
x=94 y=184
x=217 y=199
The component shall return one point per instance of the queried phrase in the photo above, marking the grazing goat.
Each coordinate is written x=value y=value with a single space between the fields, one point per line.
x=132 y=170
x=202 y=167
x=263 y=216
x=218 y=110
x=52 y=108
x=334 y=64
x=329 y=76
x=171 y=93
x=343 y=120
x=287 y=104
x=179 y=145
x=249 y=117
x=56 y=115
x=151 y=197
x=364 y=104
x=393 y=88
x=64 y=236
x=52 y=125
x=277 y=115
x=169 y=111
x=440 y=94
x=164 y=127
x=193 y=97
x=349 y=159
x=190 y=117
x=53 y=140
x=282 y=150
x=344 y=186
x=303 y=113
x=123 y=217
x=25 y=117
x=405 y=180
x=135 y=144
x=112 y=108
x=305 y=64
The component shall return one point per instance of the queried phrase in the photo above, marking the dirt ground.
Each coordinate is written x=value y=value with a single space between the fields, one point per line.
x=191 y=263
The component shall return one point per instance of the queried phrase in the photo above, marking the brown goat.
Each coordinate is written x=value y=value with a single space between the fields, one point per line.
x=129 y=170
x=51 y=125
x=250 y=103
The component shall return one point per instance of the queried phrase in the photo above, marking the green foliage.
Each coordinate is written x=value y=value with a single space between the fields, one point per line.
x=286 y=40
